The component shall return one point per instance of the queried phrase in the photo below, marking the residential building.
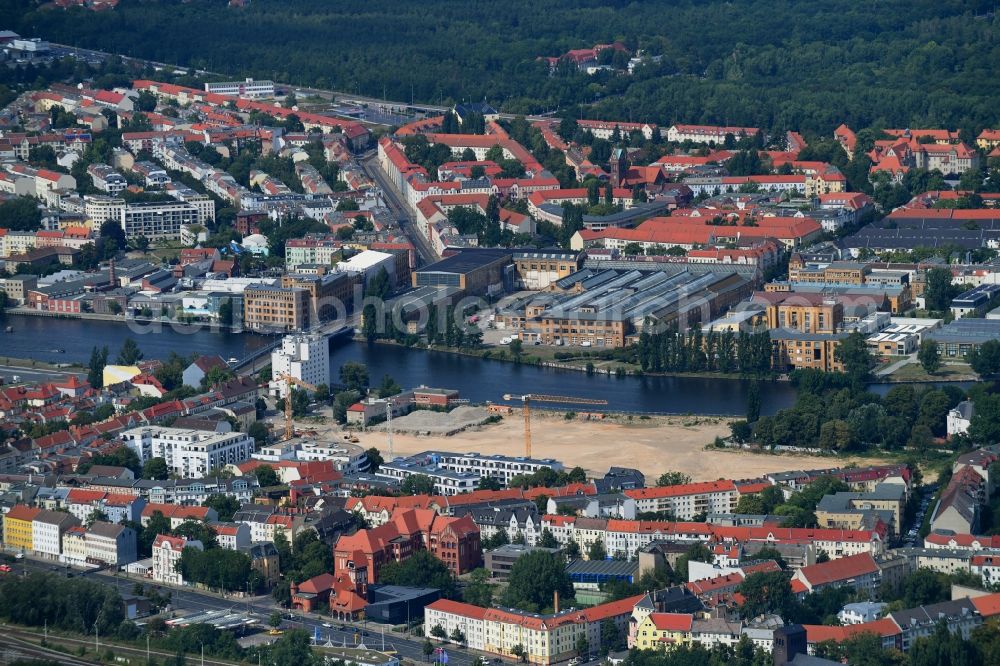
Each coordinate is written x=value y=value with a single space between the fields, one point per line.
x=686 y=501
x=47 y=532
x=18 y=529
x=167 y=552
x=960 y=417
x=189 y=453
x=546 y=639
x=306 y=357
x=157 y=220
x=861 y=612
x=270 y=308
x=110 y=544
x=659 y=631
x=856 y=571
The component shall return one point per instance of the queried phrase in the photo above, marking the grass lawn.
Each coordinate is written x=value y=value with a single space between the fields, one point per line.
x=913 y=372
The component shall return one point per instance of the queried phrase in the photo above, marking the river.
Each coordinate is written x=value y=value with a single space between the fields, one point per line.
x=476 y=379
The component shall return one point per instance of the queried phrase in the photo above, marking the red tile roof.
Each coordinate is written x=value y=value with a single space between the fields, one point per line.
x=841 y=569
x=672 y=621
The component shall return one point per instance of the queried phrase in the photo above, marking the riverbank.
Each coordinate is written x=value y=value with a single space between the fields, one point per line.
x=122 y=319
x=653 y=445
x=544 y=356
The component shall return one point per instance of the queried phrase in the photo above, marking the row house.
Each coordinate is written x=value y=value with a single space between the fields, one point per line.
x=546 y=639
x=178 y=514
x=710 y=134
x=686 y=501
x=626 y=537
x=859 y=572
x=117 y=507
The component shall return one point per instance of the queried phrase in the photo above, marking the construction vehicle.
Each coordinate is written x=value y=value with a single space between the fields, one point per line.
x=529 y=398
x=290 y=382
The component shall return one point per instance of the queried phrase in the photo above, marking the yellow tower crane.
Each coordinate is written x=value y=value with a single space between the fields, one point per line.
x=529 y=398
x=292 y=381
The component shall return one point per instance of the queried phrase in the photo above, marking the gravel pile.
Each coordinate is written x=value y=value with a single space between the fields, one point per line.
x=426 y=422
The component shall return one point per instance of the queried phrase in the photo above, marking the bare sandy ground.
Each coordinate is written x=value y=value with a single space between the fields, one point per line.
x=654 y=446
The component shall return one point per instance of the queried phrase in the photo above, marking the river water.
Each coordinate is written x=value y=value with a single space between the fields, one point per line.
x=476 y=379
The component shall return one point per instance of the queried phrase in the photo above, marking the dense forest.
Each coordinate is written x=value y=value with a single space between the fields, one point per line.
x=779 y=64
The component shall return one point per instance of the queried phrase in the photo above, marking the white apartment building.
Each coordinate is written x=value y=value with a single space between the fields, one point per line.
x=248 y=88
x=157 y=220
x=111 y=544
x=304 y=357
x=499 y=467
x=101 y=209
x=686 y=501
x=190 y=454
x=167 y=552
x=47 y=530
x=232 y=536
x=106 y=179
x=446 y=482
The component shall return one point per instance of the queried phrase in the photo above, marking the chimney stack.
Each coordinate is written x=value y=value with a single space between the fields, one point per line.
x=555 y=601
x=112 y=278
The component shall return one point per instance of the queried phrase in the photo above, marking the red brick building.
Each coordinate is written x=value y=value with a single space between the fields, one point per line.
x=454 y=541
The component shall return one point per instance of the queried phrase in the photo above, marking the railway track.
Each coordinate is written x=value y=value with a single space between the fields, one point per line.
x=17 y=639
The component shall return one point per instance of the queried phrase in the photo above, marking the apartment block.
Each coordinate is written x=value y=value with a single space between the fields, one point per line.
x=270 y=308
x=189 y=453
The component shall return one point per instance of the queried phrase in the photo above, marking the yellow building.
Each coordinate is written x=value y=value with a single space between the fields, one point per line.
x=17 y=527
x=660 y=631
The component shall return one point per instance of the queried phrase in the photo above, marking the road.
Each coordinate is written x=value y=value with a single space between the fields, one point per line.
x=31 y=375
x=394 y=199
x=186 y=601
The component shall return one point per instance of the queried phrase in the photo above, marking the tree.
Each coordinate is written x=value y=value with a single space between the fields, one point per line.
x=534 y=578
x=375 y=459
x=420 y=570
x=853 y=352
x=572 y=550
x=836 y=435
x=130 y=353
x=417 y=484
x=428 y=649
x=156 y=469
x=516 y=348
x=458 y=636
x=21 y=214
x=597 y=551
x=672 y=479
x=582 y=646
x=342 y=402
x=985 y=359
x=768 y=592
x=929 y=356
x=266 y=476
x=275 y=619
x=226 y=312
x=488 y=483
x=985 y=424
x=518 y=651
x=548 y=540
x=438 y=631
x=388 y=387
x=753 y=401
x=259 y=432
x=225 y=505
x=322 y=394
x=95 y=372
x=937 y=289
x=354 y=376
x=478 y=592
